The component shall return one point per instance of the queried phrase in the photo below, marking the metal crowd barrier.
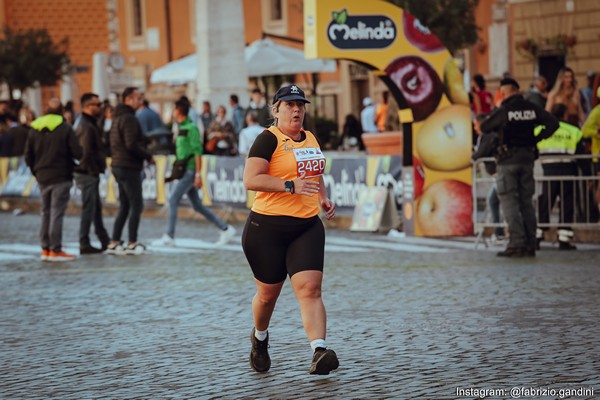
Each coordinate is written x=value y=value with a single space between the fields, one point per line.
x=585 y=208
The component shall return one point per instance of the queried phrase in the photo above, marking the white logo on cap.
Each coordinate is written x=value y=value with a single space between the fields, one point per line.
x=294 y=89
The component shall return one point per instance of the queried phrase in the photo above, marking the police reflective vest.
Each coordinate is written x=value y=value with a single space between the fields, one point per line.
x=563 y=141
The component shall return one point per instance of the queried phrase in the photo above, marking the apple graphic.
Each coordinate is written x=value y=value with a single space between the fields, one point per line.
x=454 y=84
x=419 y=84
x=445 y=209
x=419 y=35
x=444 y=141
x=419 y=174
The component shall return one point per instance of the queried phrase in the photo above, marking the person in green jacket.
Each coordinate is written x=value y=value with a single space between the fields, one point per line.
x=188 y=145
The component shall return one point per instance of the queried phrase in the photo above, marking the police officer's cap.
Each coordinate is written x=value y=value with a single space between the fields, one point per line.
x=509 y=81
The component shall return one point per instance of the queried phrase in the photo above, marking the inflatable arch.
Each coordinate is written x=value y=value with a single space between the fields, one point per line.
x=433 y=104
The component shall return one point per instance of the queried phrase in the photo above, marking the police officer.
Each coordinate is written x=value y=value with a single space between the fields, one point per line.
x=515 y=121
x=555 y=152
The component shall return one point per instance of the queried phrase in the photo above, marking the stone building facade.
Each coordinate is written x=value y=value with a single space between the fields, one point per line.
x=536 y=37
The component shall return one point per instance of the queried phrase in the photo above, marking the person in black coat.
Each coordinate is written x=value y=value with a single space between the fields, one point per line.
x=87 y=174
x=352 y=132
x=515 y=121
x=128 y=147
x=50 y=152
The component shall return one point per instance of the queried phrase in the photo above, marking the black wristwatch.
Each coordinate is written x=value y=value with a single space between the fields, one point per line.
x=289 y=186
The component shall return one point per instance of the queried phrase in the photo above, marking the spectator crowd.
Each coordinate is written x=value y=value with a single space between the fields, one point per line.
x=64 y=146
x=130 y=132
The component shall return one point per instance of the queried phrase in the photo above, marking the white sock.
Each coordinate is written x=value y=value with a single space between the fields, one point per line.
x=260 y=335
x=318 y=343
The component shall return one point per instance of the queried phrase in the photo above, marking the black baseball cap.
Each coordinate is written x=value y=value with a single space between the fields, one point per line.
x=290 y=93
x=509 y=81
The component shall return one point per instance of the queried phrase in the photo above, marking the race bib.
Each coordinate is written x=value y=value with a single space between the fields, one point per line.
x=310 y=160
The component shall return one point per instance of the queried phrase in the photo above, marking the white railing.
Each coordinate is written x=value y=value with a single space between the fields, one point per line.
x=585 y=207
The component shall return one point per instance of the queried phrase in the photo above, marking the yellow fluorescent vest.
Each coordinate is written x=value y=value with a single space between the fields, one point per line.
x=563 y=141
x=591 y=129
x=283 y=165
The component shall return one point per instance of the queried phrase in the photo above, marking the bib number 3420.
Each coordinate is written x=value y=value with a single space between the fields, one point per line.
x=310 y=160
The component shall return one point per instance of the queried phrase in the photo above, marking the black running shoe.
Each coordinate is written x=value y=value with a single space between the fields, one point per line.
x=89 y=250
x=529 y=252
x=566 y=246
x=514 y=252
x=259 y=356
x=324 y=361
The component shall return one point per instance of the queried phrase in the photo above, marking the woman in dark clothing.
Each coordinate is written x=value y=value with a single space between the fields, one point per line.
x=352 y=132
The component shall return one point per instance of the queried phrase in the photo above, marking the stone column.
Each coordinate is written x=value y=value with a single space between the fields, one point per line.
x=67 y=90
x=33 y=97
x=499 y=39
x=100 y=75
x=220 y=45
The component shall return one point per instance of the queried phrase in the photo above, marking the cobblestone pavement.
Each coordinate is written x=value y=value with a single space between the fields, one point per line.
x=409 y=318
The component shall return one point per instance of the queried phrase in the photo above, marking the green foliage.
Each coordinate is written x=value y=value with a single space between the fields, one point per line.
x=30 y=56
x=340 y=17
x=530 y=47
x=452 y=21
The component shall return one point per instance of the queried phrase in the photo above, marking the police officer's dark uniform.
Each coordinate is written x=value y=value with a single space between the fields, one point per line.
x=515 y=121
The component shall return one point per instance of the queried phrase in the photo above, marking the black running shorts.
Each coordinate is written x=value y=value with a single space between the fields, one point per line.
x=277 y=246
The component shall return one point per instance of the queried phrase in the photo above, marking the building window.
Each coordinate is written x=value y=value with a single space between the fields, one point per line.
x=274 y=13
x=276 y=10
x=138 y=28
x=136 y=24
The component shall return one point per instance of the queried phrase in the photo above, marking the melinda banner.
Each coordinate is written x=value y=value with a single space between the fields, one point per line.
x=344 y=178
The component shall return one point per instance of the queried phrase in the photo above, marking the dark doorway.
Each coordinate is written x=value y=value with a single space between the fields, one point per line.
x=548 y=66
x=359 y=90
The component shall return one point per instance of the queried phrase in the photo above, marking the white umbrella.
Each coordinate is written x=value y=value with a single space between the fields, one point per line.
x=263 y=57
x=177 y=72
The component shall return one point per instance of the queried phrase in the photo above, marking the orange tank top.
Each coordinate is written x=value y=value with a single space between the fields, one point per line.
x=287 y=161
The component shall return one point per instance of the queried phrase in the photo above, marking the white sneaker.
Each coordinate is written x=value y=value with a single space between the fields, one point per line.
x=116 y=248
x=226 y=235
x=135 y=249
x=165 y=240
x=498 y=240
